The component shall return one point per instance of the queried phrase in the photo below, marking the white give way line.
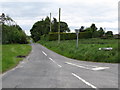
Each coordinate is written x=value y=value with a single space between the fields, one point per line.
x=94 y=68
x=83 y=80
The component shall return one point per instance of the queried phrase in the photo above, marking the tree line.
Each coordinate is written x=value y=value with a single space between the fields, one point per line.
x=11 y=32
x=97 y=32
x=42 y=27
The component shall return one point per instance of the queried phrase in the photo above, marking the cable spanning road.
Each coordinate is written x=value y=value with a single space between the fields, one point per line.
x=44 y=68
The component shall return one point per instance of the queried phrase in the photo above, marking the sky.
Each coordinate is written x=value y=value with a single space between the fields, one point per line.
x=77 y=13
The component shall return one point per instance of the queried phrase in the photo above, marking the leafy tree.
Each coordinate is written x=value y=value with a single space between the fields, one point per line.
x=43 y=27
x=11 y=33
x=18 y=27
x=37 y=30
x=93 y=30
x=88 y=29
x=54 y=25
x=64 y=27
x=109 y=34
x=101 y=32
x=81 y=29
x=47 y=25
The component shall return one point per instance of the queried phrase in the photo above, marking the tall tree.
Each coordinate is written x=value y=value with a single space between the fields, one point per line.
x=64 y=27
x=54 y=25
x=101 y=32
x=43 y=27
x=47 y=25
x=93 y=30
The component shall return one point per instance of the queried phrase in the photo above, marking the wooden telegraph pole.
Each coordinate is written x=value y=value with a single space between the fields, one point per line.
x=50 y=22
x=59 y=26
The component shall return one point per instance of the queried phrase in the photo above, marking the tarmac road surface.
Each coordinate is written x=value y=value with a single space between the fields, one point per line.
x=44 y=68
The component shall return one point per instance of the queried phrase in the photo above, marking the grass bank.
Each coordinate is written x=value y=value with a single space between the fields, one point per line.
x=10 y=53
x=87 y=49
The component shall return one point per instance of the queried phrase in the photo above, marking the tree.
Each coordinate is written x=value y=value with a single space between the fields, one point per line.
x=47 y=25
x=109 y=34
x=81 y=29
x=93 y=30
x=11 y=33
x=43 y=27
x=101 y=32
x=2 y=17
x=37 y=30
x=54 y=25
x=64 y=27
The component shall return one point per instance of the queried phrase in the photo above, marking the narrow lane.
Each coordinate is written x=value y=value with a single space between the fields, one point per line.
x=44 y=68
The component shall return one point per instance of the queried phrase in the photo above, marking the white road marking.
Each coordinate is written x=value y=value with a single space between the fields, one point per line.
x=55 y=62
x=77 y=65
x=100 y=68
x=59 y=65
x=96 y=68
x=84 y=81
x=52 y=60
x=44 y=53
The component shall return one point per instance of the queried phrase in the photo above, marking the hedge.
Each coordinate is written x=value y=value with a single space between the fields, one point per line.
x=65 y=36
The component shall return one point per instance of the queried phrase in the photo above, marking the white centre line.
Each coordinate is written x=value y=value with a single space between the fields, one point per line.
x=44 y=53
x=96 y=68
x=55 y=62
x=52 y=60
x=84 y=81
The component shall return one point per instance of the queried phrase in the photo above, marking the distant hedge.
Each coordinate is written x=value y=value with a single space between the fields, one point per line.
x=65 y=36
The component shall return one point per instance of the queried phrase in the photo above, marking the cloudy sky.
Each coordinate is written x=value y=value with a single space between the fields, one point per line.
x=77 y=13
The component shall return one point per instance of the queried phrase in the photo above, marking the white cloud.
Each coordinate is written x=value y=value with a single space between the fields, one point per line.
x=76 y=13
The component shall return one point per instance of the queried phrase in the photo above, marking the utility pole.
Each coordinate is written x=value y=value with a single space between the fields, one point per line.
x=59 y=26
x=50 y=22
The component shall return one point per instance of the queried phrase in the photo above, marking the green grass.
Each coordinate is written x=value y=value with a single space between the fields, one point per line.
x=87 y=49
x=9 y=53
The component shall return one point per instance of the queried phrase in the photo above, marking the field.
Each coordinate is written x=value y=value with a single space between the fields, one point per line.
x=88 y=49
x=10 y=53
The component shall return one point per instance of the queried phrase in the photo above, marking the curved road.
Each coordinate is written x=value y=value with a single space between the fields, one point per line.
x=44 y=68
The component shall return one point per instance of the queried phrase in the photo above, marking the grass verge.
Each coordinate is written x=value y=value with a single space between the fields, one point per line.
x=87 y=49
x=10 y=53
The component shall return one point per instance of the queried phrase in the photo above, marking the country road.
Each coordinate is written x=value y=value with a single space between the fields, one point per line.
x=44 y=68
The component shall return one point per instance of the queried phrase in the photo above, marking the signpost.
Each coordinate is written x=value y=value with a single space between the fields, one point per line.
x=77 y=33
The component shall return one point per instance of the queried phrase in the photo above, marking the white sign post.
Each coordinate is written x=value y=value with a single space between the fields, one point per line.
x=77 y=33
